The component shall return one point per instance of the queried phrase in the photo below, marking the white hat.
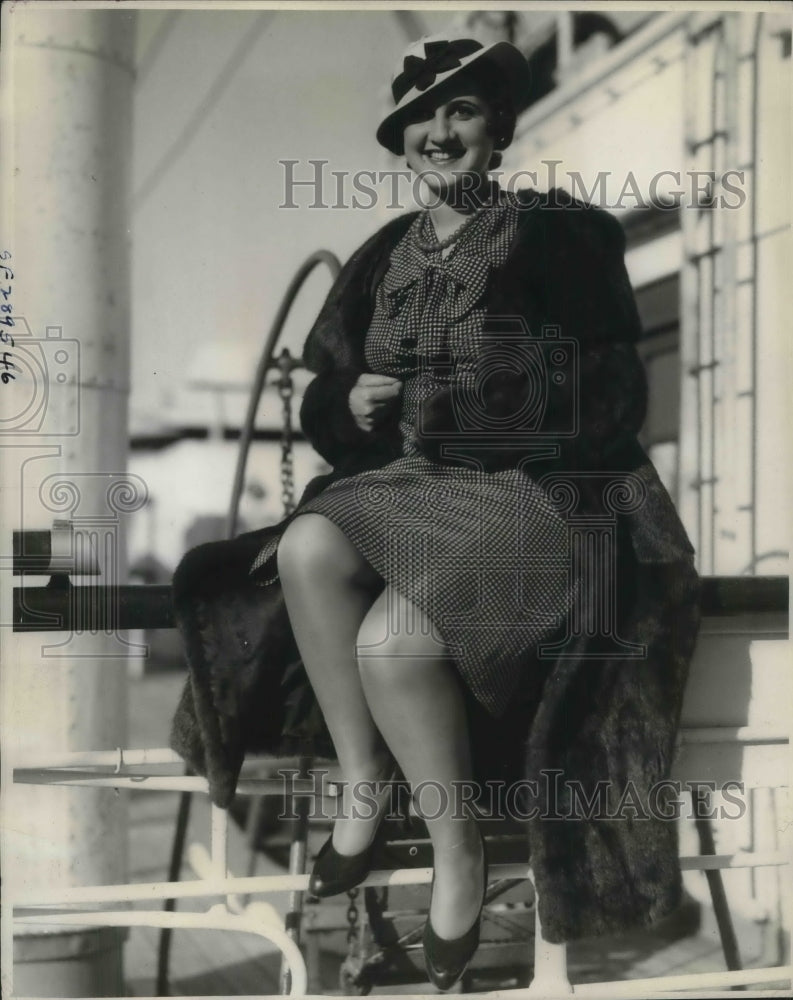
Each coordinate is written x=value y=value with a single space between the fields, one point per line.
x=433 y=60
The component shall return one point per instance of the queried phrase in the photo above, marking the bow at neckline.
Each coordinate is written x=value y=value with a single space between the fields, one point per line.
x=450 y=287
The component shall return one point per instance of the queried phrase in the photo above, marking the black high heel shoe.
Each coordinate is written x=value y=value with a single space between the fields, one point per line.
x=334 y=873
x=446 y=959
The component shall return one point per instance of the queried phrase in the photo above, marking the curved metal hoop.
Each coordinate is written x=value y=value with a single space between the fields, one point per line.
x=265 y=361
x=256 y=919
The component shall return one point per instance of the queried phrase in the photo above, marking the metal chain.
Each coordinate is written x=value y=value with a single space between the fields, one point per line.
x=353 y=915
x=286 y=389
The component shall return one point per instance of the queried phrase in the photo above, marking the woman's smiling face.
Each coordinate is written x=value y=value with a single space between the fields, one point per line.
x=449 y=138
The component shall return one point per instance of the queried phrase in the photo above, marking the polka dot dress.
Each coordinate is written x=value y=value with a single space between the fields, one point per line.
x=484 y=554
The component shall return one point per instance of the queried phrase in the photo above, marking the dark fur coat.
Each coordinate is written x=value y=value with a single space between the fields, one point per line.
x=590 y=716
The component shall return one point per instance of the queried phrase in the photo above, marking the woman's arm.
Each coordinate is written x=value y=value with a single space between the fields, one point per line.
x=334 y=349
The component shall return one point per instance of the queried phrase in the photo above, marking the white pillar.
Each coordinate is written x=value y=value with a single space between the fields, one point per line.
x=63 y=439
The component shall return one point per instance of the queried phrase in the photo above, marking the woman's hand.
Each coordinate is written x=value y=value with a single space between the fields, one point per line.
x=371 y=397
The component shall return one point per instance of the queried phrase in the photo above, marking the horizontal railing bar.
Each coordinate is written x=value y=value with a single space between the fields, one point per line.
x=252 y=787
x=121 y=756
x=95 y=607
x=162 y=782
x=131 y=918
x=151 y=782
x=731 y=734
x=151 y=606
x=753 y=624
x=145 y=442
x=72 y=895
x=742 y=859
x=64 y=768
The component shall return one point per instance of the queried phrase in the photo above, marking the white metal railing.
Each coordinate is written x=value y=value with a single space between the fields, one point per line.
x=122 y=768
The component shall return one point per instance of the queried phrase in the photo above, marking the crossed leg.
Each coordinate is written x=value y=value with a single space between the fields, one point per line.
x=384 y=680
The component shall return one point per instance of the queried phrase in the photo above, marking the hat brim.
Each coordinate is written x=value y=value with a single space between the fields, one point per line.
x=503 y=56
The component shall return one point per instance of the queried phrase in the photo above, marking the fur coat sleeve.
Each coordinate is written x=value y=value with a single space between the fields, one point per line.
x=334 y=350
x=594 y=717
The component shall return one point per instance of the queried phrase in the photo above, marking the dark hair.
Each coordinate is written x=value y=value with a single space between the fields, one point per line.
x=493 y=86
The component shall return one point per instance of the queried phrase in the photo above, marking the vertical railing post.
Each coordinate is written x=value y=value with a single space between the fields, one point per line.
x=550 y=977
x=298 y=851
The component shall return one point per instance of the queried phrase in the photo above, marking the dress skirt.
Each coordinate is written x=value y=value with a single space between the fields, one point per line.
x=484 y=554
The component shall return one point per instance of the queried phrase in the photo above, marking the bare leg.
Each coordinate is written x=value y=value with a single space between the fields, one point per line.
x=415 y=696
x=328 y=587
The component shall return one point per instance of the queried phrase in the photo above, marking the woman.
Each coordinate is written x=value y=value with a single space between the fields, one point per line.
x=459 y=380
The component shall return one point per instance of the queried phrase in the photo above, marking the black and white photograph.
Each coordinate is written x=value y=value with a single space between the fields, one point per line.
x=396 y=499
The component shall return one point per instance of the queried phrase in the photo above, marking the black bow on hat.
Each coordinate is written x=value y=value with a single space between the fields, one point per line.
x=439 y=57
